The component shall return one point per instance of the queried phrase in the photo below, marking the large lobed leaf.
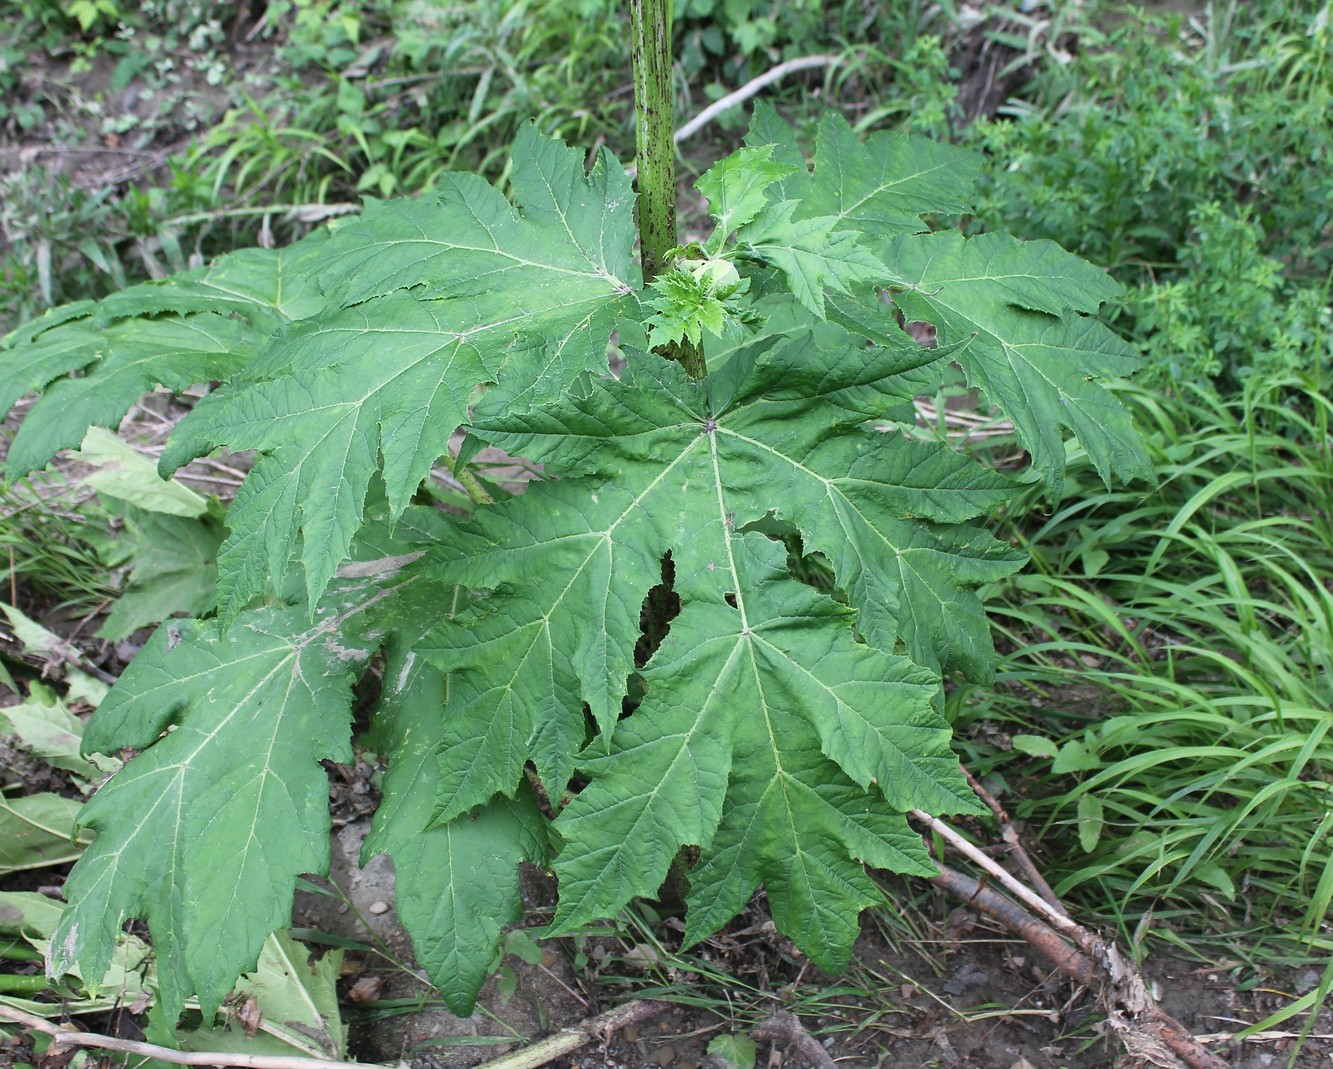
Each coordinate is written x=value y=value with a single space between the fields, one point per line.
x=204 y=833
x=1021 y=315
x=430 y=299
x=191 y=328
x=1035 y=348
x=350 y=355
x=755 y=663
x=457 y=886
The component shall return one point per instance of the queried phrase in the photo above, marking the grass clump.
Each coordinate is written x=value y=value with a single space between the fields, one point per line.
x=1168 y=679
x=1171 y=670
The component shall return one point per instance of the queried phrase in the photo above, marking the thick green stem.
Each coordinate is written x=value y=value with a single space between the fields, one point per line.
x=654 y=125
x=650 y=41
x=475 y=490
x=17 y=950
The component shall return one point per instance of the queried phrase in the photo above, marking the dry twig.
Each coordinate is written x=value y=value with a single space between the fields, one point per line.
x=62 y=1038
x=744 y=93
x=1150 y=1035
x=749 y=89
x=1009 y=835
x=546 y=1050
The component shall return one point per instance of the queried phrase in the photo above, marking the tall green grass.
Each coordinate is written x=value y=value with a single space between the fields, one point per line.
x=1169 y=670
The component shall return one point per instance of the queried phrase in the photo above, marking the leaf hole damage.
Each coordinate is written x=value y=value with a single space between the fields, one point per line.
x=922 y=333
x=660 y=607
x=811 y=569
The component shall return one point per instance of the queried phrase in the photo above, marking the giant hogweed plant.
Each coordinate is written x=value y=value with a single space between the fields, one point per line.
x=769 y=733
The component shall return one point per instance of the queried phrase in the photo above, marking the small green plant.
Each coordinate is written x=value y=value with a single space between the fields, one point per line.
x=617 y=670
x=1231 y=313
x=1190 y=158
x=746 y=31
x=1114 y=149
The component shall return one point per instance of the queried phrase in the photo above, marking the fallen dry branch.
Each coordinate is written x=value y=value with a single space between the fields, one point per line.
x=1039 y=936
x=64 y=1039
x=571 y=1039
x=1009 y=836
x=744 y=93
x=564 y=1042
x=787 y=1029
x=749 y=89
x=1149 y=1035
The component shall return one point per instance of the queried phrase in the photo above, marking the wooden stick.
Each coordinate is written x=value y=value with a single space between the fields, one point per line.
x=1009 y=834
x=1055 y=916
x=563 y=1042
x=61 y=1037
x=1040 y=937
x=1149 y=1034
x=749 y=89
x=571 y=1039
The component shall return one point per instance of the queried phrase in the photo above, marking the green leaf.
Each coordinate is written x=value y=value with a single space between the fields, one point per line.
x=38 y=641
x=389 y=380
x=791 y=439
x=227 y=802
x=458 y=885
x=125 y=475
x=38 y=830
x=298 y=999
x=568 y=236
x=1075 y=756
x=820 y=226
x=735 y=188
x=1034 y=745
x=47 y=729
x=737 y=1051
x=294 y=1010
x=174 y=570
x=811 y=256
x=725 y=752
x=1030 y=350
x=1090 y=820
x=28 y=913
x=528 y=299
x=889 y=183
x=209 y=323
x=121 y=363
x=878 y=188
x=754 y=661
x=129 y=980
x=265 y=287
x=1022 y=308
